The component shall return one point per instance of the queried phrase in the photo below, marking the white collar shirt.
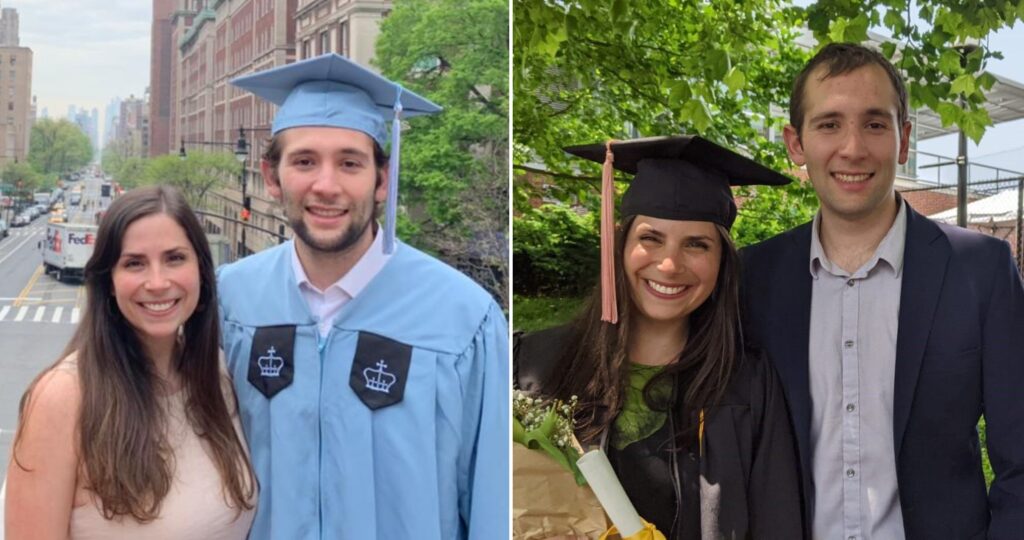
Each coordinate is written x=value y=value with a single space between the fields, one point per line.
x=325 y=304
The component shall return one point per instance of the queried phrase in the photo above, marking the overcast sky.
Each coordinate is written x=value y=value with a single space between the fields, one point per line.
x=85 y=52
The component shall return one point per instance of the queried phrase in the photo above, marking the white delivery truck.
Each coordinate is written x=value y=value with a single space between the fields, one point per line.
x=67 y=248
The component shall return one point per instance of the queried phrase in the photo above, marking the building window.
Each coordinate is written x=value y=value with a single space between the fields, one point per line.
x=343 y=39
x=306 y=53
x=325 y=43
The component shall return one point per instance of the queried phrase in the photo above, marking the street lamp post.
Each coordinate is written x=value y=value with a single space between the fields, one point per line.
x=963 y=49
x=242 y=154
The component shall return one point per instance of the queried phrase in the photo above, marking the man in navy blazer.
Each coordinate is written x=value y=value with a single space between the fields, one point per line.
x=891 y=334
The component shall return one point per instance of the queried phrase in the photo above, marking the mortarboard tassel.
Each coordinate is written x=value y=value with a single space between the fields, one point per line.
x=609 y=309
x=391 y=207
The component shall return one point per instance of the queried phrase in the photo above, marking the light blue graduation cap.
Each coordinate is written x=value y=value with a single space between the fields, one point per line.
x=332 y=91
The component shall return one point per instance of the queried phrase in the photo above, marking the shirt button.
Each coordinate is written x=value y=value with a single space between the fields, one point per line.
x=848 y=344
x=851 y=407
x=850 y=473
x=849 y=283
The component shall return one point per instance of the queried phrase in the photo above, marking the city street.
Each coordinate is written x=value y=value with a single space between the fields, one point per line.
x=37 y=313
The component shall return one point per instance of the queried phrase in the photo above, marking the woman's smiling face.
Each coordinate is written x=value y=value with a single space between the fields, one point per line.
x=671 y=266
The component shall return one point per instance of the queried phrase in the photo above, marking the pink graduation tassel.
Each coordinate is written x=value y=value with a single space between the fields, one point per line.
x=609 y=309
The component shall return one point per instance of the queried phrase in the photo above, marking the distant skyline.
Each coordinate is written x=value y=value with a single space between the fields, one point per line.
x=85 y=52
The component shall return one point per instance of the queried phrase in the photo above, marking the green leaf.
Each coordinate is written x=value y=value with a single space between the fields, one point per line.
x=949 y=62
x=735 y=79
x=963 y=84
x=718 y=63
x=679 y=93
x=948 y=113
x=973 y=123
x=925 y=94
x=888 y=49
x=698 y=114
x=619 y=8
x=837 y=32
x=857 y=30
x=926 y=13
x=986 y=80
x=894 y=20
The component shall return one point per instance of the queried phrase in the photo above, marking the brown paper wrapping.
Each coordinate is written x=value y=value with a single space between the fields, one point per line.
x=546 y=502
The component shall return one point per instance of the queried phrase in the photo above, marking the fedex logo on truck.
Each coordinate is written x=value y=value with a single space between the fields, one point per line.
x=81 y=239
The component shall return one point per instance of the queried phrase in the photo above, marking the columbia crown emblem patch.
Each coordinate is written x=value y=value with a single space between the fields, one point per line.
x=272 y=359
x=379 y=380
x=380 y=370
x=270 y=364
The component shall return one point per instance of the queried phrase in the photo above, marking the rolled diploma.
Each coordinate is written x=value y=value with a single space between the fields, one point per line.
x=606 y=486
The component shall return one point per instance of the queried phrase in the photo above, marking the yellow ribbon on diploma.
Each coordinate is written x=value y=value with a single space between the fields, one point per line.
x=649 y=532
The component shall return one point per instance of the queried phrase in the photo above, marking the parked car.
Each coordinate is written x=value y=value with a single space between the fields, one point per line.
x=21 y=220
x=3 y=229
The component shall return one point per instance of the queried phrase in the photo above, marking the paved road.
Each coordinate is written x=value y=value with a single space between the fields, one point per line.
x=37 y=314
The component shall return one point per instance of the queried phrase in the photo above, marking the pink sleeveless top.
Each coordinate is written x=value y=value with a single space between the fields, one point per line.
x=195 y=506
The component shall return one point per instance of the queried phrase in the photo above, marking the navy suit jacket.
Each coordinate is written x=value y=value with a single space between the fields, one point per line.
x=959 y=355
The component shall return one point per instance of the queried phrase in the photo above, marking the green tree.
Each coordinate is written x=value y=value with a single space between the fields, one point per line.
x=58 y=147
x=195 y=176
x=454 y=170
x=120 y=159
x=589 y=71
x=22 y=179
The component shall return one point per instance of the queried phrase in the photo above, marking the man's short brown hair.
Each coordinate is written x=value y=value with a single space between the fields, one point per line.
x=840 y=59
x=274 y=148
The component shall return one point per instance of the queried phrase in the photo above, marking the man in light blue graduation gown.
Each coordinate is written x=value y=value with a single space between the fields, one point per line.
x=372 y=379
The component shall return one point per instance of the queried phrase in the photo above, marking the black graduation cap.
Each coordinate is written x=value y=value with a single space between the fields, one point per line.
x=680 y=178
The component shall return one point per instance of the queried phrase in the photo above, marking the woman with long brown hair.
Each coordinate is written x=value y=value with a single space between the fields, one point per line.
x=694 y=423
x=133 y=432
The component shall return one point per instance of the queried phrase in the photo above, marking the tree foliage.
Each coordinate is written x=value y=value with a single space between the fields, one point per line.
x=58 y=147
x=22 y=179
x=122 y=161
x=454 y=169
x=588 y=71
x=195 y=176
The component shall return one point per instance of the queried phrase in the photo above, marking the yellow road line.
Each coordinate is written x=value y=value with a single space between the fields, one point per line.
x=28 y=287
x=65 y=301
x=81 y=294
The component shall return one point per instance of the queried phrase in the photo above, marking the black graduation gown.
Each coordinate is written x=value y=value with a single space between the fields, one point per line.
x=744 y=485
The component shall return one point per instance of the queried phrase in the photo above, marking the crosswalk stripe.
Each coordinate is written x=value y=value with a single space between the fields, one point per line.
x=42 y=313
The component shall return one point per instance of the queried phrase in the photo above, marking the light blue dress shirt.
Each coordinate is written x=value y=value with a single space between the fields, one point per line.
x=852 y=355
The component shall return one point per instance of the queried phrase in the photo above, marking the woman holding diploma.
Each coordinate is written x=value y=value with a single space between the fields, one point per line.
x=693 y=421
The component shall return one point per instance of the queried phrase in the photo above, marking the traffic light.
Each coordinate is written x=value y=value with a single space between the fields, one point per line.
x=246 y=208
